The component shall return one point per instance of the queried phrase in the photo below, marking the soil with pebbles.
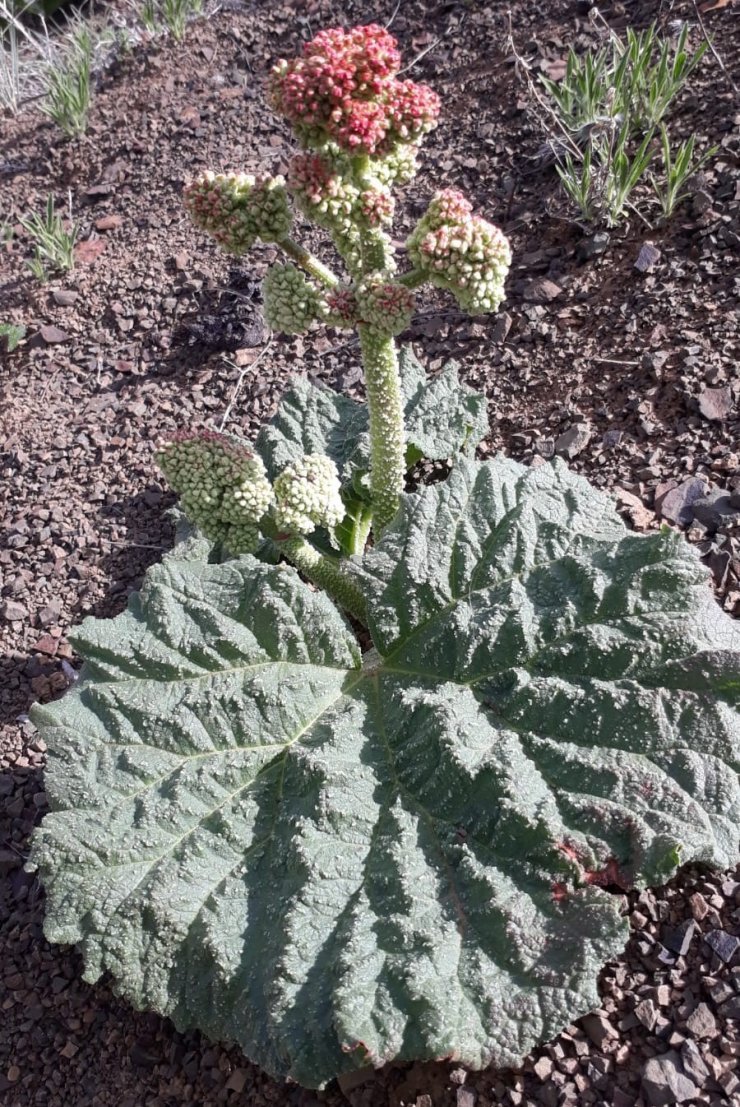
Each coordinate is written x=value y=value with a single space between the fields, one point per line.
x=622 y=361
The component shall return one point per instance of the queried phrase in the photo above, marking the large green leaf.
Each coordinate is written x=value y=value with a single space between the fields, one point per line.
x=334 y=865
x=442 y=418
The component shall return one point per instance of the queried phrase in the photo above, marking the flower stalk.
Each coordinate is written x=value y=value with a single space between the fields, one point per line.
x=359 y=126
x=326 y=573
x=387 y=436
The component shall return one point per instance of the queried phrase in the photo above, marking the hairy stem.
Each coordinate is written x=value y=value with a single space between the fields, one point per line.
x=326 y=573
x=413 y=279
x=307 y=261
x=387 y=436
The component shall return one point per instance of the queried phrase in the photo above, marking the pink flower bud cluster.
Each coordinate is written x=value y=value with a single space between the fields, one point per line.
x=341 y=306
x=236 y=209
x=377 y=206
x=326 y=196
x=384 y=305
x=330 y=199
x=461 y=252
x=344 y=90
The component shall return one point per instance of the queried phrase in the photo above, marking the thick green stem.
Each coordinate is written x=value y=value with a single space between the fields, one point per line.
x=387 y=437
x=413 y=279
x=326 y=573
x=307 y=261
x=361 y=531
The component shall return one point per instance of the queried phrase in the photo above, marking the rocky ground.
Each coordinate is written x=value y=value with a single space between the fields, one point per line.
x=620 y=356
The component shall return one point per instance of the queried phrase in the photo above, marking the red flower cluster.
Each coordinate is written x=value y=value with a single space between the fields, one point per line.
x=344 y=90
x=377 y=206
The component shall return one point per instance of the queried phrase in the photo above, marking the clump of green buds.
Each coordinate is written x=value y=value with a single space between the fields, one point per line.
x=238 y=209
x=225 y=491
x=308 y=495
x=291 y=302
x=222 y=485
x=461 y=252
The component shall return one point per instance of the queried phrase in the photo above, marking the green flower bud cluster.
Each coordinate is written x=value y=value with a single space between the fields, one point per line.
x=399 y=167
x=307 y=495
x=222 y=485
x=461 y=252
x=384 y=305
x=236 y=209
x=292 y=303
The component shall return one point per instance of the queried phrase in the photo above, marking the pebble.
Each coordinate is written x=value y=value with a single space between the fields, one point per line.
x=599 y=1028
x=13 y=611
x=701 y=1023
x=714 y=510
x=716 y=403
x=52 y=335
x=679 y=940
x=723 y=944
x=676 y=505
x=541 y=291
x=573 y=441
x=664 y=1081
x=647 y=258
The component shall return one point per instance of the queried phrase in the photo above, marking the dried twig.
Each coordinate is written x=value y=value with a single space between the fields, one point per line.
x=242 y=375
x=535 y=92
x=423 y=54
x=395 y=13
x=710 y=44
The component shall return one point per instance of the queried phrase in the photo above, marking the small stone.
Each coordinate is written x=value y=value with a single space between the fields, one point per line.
x=701 y=1022
x=647 y=1013
x=69 y=1049
x=664 y=1080
x=64 y=298
x=621 y=1099
x=648 y=256
x=13 y=611
x=632 y=506
x=181 y=261
x=237 y=1081
x=13 y=1074
x=720 y=991
x=730 y=1009
x=716 y=403
x=46 y=644
x=679 y=940
x=598 y=1028
x=501 y=328
x=714 y=509
x=543 y=1067
x=693 y=1065
x=541 y=291
x=53 y=335
x=699 y=906
x=465 y=1097
x=573 y=441
x=108 y=222
x=675 y=505
x=593 y=247
x=423 y=1101
x=723 y=944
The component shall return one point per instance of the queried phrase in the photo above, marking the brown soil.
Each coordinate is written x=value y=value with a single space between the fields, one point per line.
x=153 y=330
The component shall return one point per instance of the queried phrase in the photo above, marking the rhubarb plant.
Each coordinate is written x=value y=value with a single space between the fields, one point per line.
x=359 y=774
